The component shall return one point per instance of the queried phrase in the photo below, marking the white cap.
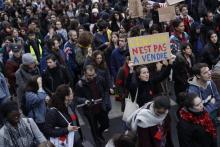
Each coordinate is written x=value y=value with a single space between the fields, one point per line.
x=95 y=1
x=95 y=10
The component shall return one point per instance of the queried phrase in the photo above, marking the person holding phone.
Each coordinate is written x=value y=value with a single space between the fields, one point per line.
x=61 y=118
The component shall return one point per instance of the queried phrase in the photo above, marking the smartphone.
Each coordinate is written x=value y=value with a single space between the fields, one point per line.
x=75 y=127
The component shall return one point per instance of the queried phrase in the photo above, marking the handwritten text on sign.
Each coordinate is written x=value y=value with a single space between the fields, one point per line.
x=150 y=48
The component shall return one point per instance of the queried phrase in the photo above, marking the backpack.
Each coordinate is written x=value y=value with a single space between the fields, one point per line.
x=23 y=105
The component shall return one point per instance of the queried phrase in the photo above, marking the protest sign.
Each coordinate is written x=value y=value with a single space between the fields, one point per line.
x=172 y=2
x=135 y=8
x=167 y=14
x=150 y=48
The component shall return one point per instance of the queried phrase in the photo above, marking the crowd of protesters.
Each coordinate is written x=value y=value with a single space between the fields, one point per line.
x=58 y=54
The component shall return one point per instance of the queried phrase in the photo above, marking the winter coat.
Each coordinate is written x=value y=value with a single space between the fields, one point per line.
x=145 y=89
x=83 y=18
x=22 y=77
x=81 y=54
x=83 y=92
x=197 y=41
x=117 y=60
x=211 y=54
x=149 y=127
x=147 y=136
x=58 y=54
x=108 y=51
x=203 y=93
x=35 y=104
x=100 y=40
x=56 y=125
x=52 y=78
x=193 y=135
x=63 y=32
x=115 y=26
x=182 y=72
x=70 y=56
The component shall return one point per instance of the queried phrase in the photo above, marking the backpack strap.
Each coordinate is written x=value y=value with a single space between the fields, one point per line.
x=61 y=115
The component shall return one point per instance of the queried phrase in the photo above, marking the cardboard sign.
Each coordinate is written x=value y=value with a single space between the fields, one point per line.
x=150 y=48
x=172 y=2
x=135 y=8
x=167 y=14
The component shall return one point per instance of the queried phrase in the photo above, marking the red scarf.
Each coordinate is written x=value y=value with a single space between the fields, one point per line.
x=203 y=120
x=186 y=22
x=64 y=137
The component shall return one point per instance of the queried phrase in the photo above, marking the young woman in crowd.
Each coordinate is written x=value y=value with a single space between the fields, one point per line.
x=139 y=82
x=211 y=54
x=61 y=118
x=101 y=68
x=116 y=21
x=112 y=46
x=195 y=127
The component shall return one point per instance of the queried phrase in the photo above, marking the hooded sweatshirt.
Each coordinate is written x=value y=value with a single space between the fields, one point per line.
x=210 y=89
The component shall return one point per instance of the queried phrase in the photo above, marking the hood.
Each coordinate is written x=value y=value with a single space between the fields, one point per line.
x=217 y=66
x=194 y=82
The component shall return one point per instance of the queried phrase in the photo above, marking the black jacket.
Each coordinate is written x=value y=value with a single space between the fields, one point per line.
x=182 y=71
x=211 y=54
x=83 y=91
x=56 y=125
x=192 y=135
x=52 y=78
x=145 y=89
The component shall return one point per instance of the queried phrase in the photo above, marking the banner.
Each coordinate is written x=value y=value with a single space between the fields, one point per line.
x=172 y=2
x=150 y=48
x=135 y=8
x=167 y=14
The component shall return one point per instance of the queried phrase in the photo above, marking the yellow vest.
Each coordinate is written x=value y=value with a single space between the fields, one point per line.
x=33 y=53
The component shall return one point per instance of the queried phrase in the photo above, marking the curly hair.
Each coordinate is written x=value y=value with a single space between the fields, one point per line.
x=85 y=39
x=58 y=97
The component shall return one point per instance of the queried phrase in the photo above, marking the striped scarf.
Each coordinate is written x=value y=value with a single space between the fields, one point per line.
x=20 y=136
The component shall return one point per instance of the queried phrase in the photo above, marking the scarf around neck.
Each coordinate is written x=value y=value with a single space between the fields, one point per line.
x=20 y=136
x=202 y=120
x=145 y=118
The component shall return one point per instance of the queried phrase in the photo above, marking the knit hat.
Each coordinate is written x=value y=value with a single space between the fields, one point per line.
x=95 y=1
x=95 y=10
x=28 y=59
